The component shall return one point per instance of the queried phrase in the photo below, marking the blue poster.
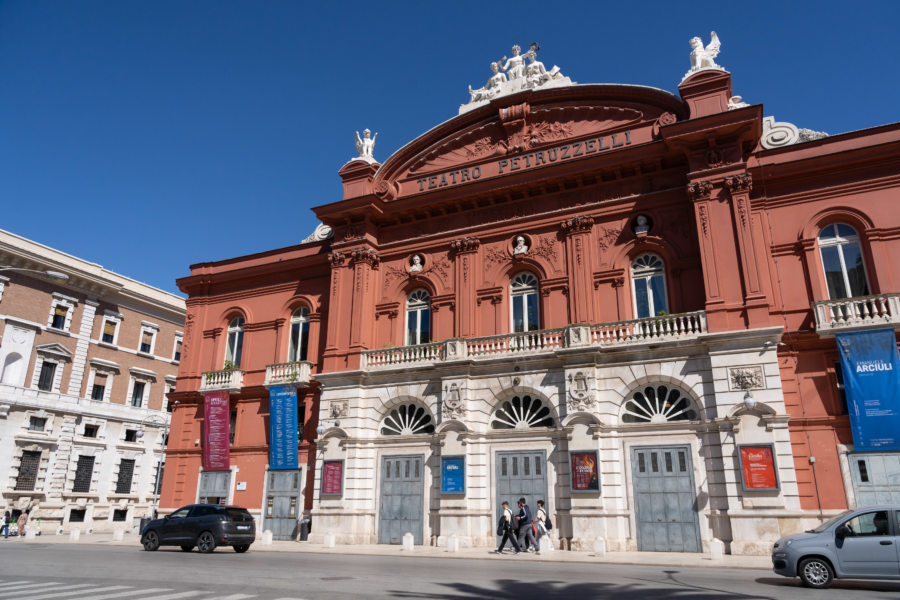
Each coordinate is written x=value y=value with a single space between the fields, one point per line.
x=871 y=368
x=453 y=475
x=283 y=427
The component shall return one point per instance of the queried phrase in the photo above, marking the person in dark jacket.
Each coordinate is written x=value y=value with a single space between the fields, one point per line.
x=5 y=525
x=509 y=532
x=523 y=523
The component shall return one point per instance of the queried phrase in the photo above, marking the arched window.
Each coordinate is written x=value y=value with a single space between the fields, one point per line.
x=842 y=258
x=658 y=404
x=299 y=334
x=418 y=318
x=522 y=413
x=407 y=419
x=523 y=295
x=648 y=280
x=234 y=342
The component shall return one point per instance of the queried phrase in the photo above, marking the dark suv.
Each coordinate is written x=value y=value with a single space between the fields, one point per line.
x=203 y=525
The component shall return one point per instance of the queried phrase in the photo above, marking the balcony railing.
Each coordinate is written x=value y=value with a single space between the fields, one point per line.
x=226 y=379
x=289 y=373
x=605 y=335
x=862 y=312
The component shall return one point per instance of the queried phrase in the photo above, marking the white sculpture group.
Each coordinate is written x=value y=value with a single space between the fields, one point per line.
x=704 y=58
x=365 y=146
x=514 y=75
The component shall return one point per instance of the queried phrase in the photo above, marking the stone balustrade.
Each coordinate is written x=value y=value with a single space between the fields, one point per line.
x=622 y=333
x=862 y=312
x=226 y=379
x=296 y=373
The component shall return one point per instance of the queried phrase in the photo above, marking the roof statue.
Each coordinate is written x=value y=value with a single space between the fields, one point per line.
x=365 y=146
x=511 y=75
x=703 y=59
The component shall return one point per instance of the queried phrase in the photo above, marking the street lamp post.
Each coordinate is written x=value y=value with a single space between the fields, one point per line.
x=47 y=272
x=158 y=421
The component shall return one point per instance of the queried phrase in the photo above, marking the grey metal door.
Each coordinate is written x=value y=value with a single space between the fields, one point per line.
x=876 y=478
x=214 y=487
x=521 y=475
x=402 y=499
x=664 y=499
x=283 y=504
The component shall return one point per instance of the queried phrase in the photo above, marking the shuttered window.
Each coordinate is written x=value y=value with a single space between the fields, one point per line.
x=28 y=470
x=109 y=331
x=126 y=473
x=83 y=474
x=45 y=381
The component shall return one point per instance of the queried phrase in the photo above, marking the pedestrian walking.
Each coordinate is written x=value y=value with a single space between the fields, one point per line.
x=5 y=526
x=21 y=522
x=544 y=525
x=525 y=526
x=508 y=531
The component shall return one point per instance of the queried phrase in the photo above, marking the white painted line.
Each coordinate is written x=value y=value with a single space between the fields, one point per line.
x=180 y=595
x=236 y=597
x=68 y=591
x=128 y=592
x=24 y=586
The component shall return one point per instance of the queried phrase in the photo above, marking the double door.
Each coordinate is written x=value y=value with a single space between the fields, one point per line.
x=521 y=475
x=402 y=505
x=284 y=503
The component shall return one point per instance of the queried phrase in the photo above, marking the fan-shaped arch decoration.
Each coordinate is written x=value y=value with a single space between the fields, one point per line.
x=659 y=404
x=647 y=263
x=418 y=298
x=522 y=412
x=523 y=282
x=407 y=419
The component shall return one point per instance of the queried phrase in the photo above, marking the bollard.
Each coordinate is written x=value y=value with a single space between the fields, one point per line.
x=59 y=530
x=329 y=540
x=74 y=535
x=717 y=549
x=453 y=544
x=546 y=544
x=30 y=534
x=408 y=541
x=600 y=547
x=267 y=537
x=118 y=535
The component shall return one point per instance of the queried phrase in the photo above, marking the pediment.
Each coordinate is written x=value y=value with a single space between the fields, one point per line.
x=54 y=349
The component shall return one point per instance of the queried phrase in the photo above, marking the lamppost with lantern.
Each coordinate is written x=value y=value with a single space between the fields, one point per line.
x=157 y=421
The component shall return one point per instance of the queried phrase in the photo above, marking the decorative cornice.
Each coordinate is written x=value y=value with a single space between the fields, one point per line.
x=698 y=190
x=465 y=244
x=739 y=183
x=578 y=223
x=337 y=258
x=365 y=255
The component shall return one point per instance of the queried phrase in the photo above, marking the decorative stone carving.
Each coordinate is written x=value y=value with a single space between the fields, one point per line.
x=777 y=134
x=703 y=59
x=322 y=232
x=739 y=183
x=338 y=409
x=746 y=378
x=415 y=264
x=736 y=102
x=699 y=189
x=337 y=258
x=713 y=157
x=577 y=224
x=496 y=255
x=521 y=247
x=547 y=248
x=642 y=225
x=465 y=244
x=365 y=146
x=366 y=255
x=580 y=397
x=452 y=405
x=511 y=75
x=608 y=237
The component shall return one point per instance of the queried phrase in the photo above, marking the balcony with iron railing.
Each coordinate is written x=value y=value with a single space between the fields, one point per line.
x=861 y=312
x=666 y=328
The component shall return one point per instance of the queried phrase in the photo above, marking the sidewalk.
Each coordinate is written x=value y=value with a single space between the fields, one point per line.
x=671 y=559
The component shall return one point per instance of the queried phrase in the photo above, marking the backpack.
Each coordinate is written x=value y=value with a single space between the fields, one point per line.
x=501 y=525
x=548 y=523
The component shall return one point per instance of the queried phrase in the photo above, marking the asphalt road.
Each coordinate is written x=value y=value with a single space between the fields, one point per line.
x=34 y=571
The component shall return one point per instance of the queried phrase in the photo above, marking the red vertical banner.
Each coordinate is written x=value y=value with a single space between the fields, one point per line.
x=216 y=413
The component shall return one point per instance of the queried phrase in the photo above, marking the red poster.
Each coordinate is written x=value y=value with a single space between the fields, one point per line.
x=332 y=477
x=758 y=468
x=216 y=413
x=585 y=471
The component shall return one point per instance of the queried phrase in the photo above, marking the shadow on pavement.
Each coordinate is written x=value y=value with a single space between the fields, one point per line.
x=839 y=584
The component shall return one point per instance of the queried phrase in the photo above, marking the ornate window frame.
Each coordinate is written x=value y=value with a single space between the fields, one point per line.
x=524 y=285
x=652 y=267
x=418 y=306
x=842 y=241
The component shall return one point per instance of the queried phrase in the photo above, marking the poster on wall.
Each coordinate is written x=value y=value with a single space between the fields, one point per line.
x=758 y=470
x=585 y=471
x=453 y=475
x=283 y=427
x=332 y=477
x=871 y=369
x=216 y=413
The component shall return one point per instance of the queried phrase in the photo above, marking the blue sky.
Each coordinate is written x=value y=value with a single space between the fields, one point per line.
x=147 y=136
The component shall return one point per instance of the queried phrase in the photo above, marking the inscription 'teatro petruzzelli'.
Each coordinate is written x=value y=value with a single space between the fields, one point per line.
x=505 y=166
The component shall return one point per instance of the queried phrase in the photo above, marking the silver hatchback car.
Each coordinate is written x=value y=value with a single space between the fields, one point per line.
x=857 y=544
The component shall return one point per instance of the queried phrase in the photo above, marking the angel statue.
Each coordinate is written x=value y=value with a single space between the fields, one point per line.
x=704 y=58
x=365 y=145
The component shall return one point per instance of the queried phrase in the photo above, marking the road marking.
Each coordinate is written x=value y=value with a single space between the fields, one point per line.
x=237 y=597
x=129 y=592
x=24 y=586
x=71 y=591
x=179 y=595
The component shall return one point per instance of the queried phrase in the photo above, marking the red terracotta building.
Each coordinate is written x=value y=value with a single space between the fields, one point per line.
x=609 y=297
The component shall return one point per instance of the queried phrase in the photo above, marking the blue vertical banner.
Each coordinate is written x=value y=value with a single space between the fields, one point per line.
x=871 y=369
x=283 y=427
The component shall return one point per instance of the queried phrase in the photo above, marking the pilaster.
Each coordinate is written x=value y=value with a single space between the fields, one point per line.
x=465 y=257
x=577 y=232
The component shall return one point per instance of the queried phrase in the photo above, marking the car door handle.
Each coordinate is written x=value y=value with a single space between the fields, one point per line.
x=886 y=542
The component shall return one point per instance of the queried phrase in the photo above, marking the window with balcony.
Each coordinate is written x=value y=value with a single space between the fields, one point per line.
x=845 y=272
x=648 y=280
x=418 y=318
x=234 y=342
x=523 y=291
x=299 y=335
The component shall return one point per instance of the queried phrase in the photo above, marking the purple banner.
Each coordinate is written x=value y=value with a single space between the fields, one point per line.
x=216 y=413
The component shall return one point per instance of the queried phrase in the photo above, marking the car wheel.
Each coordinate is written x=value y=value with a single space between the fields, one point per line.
x=816 y=573
x=187 y=547
x=241 y=547
x=150 y=541
x=206 y=543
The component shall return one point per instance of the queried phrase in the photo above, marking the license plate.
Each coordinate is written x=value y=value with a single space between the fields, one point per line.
x=243 y=527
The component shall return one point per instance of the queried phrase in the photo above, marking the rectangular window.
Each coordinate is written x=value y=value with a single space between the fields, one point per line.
x=146 y=341
x=120 y=515
x=83 y=474
x=76 y=515
x=834 y=275
x=48 y=371
x=301 y=417
x=99 y=388
x=130 y=435
x=28 y=470
x=37 y=423
x=58 y=321
x=126 y=473
x=109 y=332
x=177 y=355
x=232 y=424
x=91 y=431
x=137 y=394
x=169 y=404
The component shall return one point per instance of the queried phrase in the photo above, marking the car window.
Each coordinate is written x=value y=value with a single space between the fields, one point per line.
x=180 y=513
x=238 y=514
x=830 y=522
x=868 y=524
x=202 y=511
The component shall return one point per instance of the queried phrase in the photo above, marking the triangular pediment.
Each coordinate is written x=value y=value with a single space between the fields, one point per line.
x=55 y=349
